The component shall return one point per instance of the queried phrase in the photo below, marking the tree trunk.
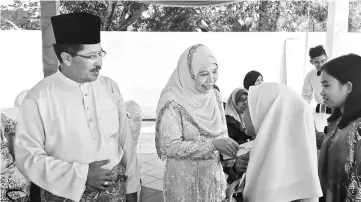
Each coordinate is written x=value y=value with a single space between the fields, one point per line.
x=263 y=16
x=110 y=12
x=277 y=26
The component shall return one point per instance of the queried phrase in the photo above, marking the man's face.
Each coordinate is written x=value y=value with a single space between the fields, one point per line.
x=319 y=61
x=86 y=69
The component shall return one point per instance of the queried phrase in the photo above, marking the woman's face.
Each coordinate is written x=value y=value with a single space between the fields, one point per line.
x=248 y=124
x=333 y=92
x=206 y=78
x=259 y=80
x=242 y=105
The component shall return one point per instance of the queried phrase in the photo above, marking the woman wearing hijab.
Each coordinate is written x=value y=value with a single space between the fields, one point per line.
x=340 y=154
x=234 y=168
x=14 y=186
x=235 y=107
x=283 y=159
x=191 y=130
x=252 y=78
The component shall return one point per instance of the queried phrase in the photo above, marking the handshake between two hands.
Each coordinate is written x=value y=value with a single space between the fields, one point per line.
x=229 y=153
x=241 y=156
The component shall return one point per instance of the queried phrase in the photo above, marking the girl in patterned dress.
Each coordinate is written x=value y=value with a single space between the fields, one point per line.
x=340 y=153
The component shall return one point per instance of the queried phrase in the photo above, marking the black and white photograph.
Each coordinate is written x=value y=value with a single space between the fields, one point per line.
x=180 y=101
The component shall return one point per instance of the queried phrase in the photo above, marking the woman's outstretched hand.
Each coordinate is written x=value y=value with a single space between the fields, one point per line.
x=226 y=146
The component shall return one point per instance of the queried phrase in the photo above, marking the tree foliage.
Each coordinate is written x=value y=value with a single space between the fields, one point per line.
x=244 y=16
x=354 y=20
x=115 y=15
x=20 y=15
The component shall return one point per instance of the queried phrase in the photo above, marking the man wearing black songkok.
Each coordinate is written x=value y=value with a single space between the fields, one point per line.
x=73 y=139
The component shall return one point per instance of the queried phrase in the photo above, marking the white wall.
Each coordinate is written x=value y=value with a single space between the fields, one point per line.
x=141 y=62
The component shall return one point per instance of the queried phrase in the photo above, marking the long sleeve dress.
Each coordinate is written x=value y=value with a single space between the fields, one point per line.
x=340 y=163
x=193 y=171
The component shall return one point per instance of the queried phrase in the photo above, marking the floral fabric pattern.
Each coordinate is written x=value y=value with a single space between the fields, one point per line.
x=12 y=181
x=351 y=167
x=193 y=170
x=115 y=193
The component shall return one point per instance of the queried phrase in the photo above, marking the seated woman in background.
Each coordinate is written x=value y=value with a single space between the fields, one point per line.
x=340 y=154
x=236 y=105
x=14 y=186
x=283 y=160
x=252 y=78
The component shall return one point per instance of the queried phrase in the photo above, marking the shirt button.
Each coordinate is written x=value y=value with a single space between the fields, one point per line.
x=87 y=107
x=90 y=120
x=86 y=94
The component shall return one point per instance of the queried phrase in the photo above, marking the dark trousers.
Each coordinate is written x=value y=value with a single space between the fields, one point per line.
x=34 y=193
x=328 y=110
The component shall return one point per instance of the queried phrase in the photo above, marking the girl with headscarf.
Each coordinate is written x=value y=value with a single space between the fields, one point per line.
x=283 y=159
x=252 y=78
x=340 y=153
x=191 y=130
x=236 y=105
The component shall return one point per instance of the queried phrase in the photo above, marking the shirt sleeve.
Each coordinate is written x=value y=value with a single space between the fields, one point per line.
x=64 y=179
x=170 y=141
x=129 y=159
x=307 y=90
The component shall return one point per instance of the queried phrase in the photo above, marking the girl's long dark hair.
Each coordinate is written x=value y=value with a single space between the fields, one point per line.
x=345 y=69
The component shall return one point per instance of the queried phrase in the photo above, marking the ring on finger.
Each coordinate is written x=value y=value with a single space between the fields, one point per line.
x=106 y=183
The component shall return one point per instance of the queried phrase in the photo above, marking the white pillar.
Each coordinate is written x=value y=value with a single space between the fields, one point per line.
x=50 y=62
x=337 y=28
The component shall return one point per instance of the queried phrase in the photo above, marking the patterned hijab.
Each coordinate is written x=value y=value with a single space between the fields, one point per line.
x=283 y=158
x=231 y=104
x=203 y=108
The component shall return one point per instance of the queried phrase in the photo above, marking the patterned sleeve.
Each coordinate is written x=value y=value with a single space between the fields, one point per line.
x=353 y=164
x=10 y=125
x=170 y=142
